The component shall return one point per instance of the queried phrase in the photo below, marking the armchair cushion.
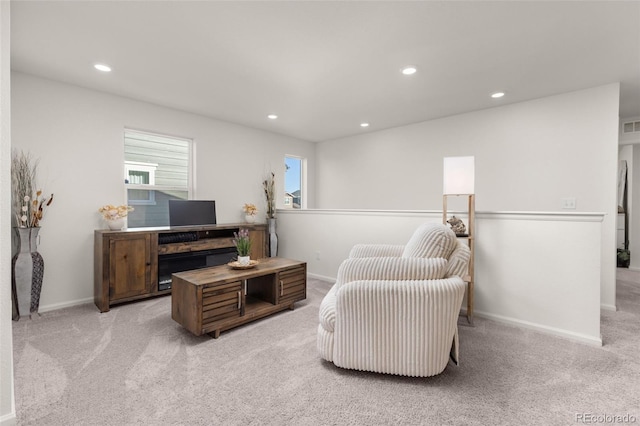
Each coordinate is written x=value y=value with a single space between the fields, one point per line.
x=376 y=250
x=431 y=240
x=390 y=268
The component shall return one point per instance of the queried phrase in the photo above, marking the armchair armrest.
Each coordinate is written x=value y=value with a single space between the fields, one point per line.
x=376 y=250
x=379 y=322
x=459 y=261
x=390 y=268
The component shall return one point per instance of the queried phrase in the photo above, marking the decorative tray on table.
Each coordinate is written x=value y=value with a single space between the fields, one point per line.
x=237 y=265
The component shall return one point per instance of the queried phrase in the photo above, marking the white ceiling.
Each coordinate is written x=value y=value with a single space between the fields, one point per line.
x=324 y=67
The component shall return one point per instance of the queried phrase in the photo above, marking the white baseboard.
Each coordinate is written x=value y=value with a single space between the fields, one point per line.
x=608 y=307
x=56 y=306
x=321 y=277
x=578 y=337
x=8 y=419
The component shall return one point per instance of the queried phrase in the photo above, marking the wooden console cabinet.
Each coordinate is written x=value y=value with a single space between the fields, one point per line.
x=215 y=299
x=126 y=262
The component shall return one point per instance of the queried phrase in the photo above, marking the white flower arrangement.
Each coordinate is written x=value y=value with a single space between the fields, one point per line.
x=111 y=212
x=250 y=209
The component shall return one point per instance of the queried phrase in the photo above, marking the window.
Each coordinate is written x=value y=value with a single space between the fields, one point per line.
x=156 y=169
x=294 y=182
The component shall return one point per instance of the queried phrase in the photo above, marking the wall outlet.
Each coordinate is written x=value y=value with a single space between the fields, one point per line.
x=317 y=255
x=569 y=203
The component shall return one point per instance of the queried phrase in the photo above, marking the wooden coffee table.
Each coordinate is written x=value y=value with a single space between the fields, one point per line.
x=212 y=300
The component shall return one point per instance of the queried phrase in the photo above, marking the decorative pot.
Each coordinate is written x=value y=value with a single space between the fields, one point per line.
x=244 y=260
x=273 y=238
x=27 y=268
x=116 y=224
x=250 y=218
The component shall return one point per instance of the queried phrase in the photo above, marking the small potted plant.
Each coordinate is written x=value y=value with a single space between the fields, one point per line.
x=114 y=215
x=250 y=211
x=243 y=245
x=624 y=258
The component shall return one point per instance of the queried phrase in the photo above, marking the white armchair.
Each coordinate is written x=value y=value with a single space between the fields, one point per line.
x=394 y=309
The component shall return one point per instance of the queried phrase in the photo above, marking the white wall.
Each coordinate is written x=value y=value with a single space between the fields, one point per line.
x=630 y=151
x=634 y=220
x=7 y=406
x=625 y=153
x=525 y=274
x=529 y=156
x=78 y=136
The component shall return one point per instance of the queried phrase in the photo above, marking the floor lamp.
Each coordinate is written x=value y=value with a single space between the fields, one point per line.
x=459 y=181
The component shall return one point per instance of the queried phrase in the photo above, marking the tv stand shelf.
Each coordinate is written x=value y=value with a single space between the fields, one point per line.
x=126 y=262
x=188 y=246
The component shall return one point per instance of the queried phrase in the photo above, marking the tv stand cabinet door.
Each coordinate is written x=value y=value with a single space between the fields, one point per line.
x=129 y=266
x=258 y=238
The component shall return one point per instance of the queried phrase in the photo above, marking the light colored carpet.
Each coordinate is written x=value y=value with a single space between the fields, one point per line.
x=135 y=365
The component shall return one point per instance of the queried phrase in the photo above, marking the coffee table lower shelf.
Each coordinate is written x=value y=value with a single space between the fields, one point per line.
x=213 y=300
x=254 y=310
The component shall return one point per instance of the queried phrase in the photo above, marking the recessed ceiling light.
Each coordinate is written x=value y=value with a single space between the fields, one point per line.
x=102 y=67
x=272 y=116
x=410 y=70
x=497 y=95
x=364 y=124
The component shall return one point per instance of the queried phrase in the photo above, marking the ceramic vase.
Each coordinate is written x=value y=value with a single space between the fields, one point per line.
x=250 y=218
x=27 y=268
x=116 y=224
x=244 y=260
x=273 y=238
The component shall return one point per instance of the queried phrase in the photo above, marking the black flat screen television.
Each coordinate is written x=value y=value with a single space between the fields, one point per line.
x=192 y=212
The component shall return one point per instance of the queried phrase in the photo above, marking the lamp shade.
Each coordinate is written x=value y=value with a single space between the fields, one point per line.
x=459 y=175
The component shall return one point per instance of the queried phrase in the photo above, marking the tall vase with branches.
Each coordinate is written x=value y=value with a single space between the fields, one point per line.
x=269 y=185
x=29 y=206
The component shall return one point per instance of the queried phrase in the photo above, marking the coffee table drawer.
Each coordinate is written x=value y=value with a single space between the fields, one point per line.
x=220 y=302
x=293 y=284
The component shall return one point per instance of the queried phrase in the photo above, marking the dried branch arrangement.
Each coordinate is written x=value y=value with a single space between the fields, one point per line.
x=269 y=186
x=28 y=203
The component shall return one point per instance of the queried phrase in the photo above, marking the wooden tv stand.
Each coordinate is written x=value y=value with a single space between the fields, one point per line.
x=213 y=300
x=126 y=262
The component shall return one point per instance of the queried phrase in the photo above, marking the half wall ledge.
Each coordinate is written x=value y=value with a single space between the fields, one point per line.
x=538 y=270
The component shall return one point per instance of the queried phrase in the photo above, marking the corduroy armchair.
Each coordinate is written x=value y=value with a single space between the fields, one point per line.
x=394 y=309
